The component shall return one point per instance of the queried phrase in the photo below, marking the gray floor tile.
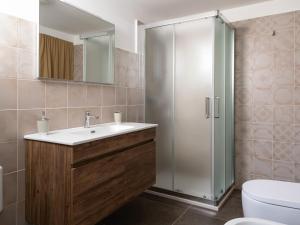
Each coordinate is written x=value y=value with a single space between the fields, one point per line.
x=144 y=211
x=193 y=217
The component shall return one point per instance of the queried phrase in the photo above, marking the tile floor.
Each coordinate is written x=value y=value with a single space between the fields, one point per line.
x=152 y=210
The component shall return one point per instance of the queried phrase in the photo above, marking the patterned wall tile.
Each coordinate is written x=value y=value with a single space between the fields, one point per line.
x=262 y=131
x=283 y=151
x=263 y=149
x=263 y=113
x=263 y=167
x=283 y=114
x=283 y=132
x=284 y=170
x=271 y=76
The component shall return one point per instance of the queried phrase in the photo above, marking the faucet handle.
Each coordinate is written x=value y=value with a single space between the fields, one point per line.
x=87 y=113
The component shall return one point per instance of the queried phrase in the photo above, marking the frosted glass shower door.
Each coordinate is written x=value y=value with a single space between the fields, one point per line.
x=159 y=98
x=192 y=98
x=223 y=109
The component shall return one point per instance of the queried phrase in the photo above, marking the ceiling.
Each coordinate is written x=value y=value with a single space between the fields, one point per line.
x=155 y=10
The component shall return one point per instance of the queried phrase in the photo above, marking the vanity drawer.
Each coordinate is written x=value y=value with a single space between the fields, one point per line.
x=98 y=148
x=102 y=186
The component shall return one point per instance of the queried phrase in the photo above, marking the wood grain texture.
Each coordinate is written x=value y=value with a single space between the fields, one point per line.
x=105 y=146
x=48 y=181
x=64 y=189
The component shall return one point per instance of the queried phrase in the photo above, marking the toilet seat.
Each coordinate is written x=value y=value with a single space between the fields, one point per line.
x=285 y=194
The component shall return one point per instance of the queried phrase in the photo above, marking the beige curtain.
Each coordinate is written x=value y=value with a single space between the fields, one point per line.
x=56 y=58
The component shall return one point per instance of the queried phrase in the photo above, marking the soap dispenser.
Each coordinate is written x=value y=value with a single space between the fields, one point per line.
x=42 y=124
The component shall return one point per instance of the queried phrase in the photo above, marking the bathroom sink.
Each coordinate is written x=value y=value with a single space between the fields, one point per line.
x=96 y=130
x=80 y=135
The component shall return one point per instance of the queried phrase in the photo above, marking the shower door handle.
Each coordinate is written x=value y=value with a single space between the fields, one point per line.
x=207 y=107
x=217 y=107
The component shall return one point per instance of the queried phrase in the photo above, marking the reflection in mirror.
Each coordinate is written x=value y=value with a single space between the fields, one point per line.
x=74 y=45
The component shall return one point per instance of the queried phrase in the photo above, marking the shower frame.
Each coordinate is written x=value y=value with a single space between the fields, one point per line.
x=213 y=202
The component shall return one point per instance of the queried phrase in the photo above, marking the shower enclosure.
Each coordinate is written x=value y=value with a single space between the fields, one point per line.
x=188 y=67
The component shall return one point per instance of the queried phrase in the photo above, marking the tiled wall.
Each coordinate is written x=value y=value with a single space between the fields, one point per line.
x=22 y=99
x=268 y=98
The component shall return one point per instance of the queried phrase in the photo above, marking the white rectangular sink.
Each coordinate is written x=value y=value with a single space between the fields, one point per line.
x=80 y=135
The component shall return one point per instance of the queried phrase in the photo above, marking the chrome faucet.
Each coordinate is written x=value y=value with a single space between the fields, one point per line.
x=87 y=118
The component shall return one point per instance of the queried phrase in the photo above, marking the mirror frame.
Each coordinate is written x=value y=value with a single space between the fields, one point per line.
x=37 y=51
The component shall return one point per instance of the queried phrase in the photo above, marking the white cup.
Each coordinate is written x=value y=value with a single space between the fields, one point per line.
x=118 y=117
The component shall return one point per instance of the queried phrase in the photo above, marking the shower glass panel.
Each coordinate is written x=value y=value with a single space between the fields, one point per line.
x=192 y=127
x=229 y=107
x=159 y=98
x=189 y=93
x=219 y=108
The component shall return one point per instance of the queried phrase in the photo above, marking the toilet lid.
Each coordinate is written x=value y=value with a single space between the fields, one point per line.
x=274 y=192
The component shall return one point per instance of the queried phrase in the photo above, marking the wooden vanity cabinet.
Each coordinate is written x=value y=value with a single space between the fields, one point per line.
x=82 y=184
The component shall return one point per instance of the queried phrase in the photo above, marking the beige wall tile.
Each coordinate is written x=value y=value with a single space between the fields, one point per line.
x=243 y=80
x=283 y=95
x=108 y=96
x=76 y=117
x=283 y=132
x=263 y=167
x=141 y=114
x=107 y=114
x=262 y=131
x=243 y=96
x=262 y=79
x=296 y=153
x=132 y=78
x=9 y=62
x=31 y=94
x=8 y=156
x=8 y=125
x=283 y=151
x=9 y=189
x=263 y=149
x=93 y=95
x=284 y=170
x=27 y=64
x=8 y=30
x=58 y=118
x=8 y=216
x=244 y=131
x=262 y=96
x=56 y=94
x=284 y=39
x=283 y=21
x=283 y=114
x=132 y=113
x=297 y=95
x=245 y=163
x=263 y=60
x=297 y=134
x=121 y=96
x=263 y=113
x=77 y=95
x=244 y=147
x=28 y=121
x=8 y=97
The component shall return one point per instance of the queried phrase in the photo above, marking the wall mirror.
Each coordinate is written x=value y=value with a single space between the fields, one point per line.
x=74 y=45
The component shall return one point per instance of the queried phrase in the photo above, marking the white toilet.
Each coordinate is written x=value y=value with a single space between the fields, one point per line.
x=251 y=221
x=272 y=200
